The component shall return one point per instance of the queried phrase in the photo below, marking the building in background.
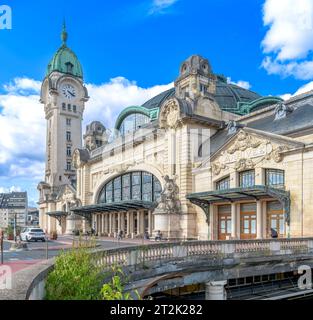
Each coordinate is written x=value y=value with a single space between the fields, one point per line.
x=13 y=209
x=33 y=217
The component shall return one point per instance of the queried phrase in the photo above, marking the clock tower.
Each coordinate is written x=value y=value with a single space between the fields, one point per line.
x=64 y=96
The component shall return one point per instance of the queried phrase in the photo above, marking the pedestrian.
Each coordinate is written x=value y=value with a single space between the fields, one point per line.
x=274 y=233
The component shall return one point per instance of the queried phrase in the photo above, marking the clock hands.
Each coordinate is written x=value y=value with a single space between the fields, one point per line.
x=72 y=94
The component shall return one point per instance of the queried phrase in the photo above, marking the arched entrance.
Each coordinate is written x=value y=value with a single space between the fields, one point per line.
x=125 y=204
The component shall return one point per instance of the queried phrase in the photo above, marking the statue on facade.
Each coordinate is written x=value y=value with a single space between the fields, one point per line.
x=170 y=203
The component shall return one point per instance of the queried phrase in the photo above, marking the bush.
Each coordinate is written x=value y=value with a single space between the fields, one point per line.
x=114 y=290
x=75 y=277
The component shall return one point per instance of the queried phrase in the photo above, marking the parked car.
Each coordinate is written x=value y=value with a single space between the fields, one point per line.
x=33 y=234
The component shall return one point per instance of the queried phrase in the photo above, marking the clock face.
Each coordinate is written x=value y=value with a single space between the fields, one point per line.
x=69 y=91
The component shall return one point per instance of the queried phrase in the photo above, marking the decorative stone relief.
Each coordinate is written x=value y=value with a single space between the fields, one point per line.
x=243 y=142
x=170 y=115
x=240 y=156
x=169 y=203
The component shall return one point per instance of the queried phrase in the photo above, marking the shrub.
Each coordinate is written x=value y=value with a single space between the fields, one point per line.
x=75 y=277
x=114 y=290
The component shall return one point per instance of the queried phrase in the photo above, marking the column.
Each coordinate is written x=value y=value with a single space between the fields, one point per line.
x=113 y=223
x=150 y=223
x=131 y=224
x=119 y=218
x=259 y=225
x=107 y=226
x=123 y=222
x=128 y=224
x=142 y=222
x=110 y=223
x=215 y=290
x=138 y=222
x=103 y=223
x=233 y=220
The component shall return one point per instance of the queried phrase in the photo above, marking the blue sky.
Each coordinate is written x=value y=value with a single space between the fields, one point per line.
x=131 y=50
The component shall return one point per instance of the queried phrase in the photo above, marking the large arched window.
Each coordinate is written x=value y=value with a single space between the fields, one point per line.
x=133 y=122
x=137 y=185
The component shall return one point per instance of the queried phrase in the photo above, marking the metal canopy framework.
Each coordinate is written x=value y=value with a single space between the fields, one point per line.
x=58 y=215
x=125 y=206
x=205 y=199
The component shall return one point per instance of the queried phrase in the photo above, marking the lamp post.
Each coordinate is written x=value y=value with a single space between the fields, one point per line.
x=1 y=244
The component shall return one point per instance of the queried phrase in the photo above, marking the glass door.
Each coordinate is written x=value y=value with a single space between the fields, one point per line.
x=275 y=219
x=248 y=221
x=224 y=222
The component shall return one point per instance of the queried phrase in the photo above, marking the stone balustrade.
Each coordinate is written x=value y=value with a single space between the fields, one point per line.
x=177 y=250
x=29 y=284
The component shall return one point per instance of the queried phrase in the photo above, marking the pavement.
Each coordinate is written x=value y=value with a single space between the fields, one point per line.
x=37 y=251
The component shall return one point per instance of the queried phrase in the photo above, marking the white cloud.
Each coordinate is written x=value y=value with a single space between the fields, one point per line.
x=10 y=189
x=109 y=99
x=240 y=83
x=23 y=124
x=160 y=6
x=303 y=89
x=288 y=43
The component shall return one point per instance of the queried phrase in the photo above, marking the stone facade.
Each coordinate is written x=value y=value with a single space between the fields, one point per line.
x=205 y=160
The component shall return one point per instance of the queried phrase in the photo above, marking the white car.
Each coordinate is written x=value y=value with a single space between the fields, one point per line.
x=33 y=234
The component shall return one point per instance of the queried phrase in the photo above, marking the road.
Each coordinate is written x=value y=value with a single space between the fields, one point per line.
x=36 y=252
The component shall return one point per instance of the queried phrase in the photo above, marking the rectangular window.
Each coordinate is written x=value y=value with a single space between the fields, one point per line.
x=223 y=184
x=247 y=179
x=68 y=122
x=69 y=107
x=63 y=106
x=68 y=166
x=74 y=108
x=275 y=178
x=68 y=136
x=68 y=151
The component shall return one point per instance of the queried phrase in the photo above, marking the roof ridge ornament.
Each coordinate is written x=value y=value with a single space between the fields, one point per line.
x=233 y=126
x=64 y=34
x=282 y=110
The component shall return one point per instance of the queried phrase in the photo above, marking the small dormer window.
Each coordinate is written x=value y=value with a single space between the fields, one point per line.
x=282 y=111
x=69 y=67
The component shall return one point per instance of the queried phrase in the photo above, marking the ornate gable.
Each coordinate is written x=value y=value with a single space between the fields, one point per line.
x=248 y=148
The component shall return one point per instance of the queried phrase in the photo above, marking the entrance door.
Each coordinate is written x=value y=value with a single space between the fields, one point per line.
x=275 y=218
x=248 y=221
x=224 y=222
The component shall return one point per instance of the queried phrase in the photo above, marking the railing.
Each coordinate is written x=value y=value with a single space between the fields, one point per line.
x=163 y=252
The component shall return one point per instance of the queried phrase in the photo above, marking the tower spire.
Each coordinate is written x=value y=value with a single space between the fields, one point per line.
x=64 y=34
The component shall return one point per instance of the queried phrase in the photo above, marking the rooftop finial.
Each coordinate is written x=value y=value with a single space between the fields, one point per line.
x=64 y=34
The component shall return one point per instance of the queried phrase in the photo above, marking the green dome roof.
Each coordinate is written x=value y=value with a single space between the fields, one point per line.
x=65 y=60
